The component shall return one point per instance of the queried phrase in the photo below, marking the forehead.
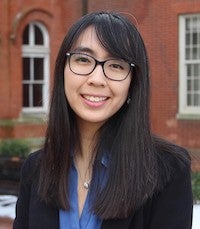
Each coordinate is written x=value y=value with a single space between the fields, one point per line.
x=87 y=39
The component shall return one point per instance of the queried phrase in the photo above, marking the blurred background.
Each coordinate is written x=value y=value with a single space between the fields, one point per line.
x=31 y=32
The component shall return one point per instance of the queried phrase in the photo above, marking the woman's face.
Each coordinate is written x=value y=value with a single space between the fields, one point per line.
x=94 y=98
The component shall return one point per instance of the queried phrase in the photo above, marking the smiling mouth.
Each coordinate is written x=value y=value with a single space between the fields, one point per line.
x=95 y=99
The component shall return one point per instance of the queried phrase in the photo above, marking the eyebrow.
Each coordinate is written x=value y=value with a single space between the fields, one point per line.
x=84 y=49
x=88 y=51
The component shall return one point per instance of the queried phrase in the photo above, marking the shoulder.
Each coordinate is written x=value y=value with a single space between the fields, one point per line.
x=35 y=156
x=173 y=161
x=170 y=154
x=33 y=159
x=31 y=165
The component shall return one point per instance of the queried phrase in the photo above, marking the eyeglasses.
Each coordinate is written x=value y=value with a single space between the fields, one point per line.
x=113 y=69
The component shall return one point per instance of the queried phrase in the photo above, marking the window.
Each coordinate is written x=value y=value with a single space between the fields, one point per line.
x=35 y=66
x=189 y=65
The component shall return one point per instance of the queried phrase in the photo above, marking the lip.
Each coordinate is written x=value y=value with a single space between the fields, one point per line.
x=94 y=100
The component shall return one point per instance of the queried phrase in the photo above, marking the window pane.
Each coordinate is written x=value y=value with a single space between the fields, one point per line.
x=38 y=36
x=187 y=38
x=194 y=26
x=194 y=38
x=187 y=53
x=25 y=95
x=26 y=35
x=189 y=72
x=196 y=69
x=187 y=23
x=37 y=95
x=196 y=99
x=26 y=68
x=38 y=68
x=196 y=84
x=189 y=85
x=189 y=100
x=194 y=52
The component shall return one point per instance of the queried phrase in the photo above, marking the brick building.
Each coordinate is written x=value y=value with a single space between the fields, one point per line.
x=30 y=35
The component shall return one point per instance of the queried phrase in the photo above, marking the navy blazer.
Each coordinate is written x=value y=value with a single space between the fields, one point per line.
x=170 y=208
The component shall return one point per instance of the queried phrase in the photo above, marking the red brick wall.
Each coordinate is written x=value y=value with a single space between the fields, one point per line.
x=57 y=16
x=158 y=23
x=160 y=31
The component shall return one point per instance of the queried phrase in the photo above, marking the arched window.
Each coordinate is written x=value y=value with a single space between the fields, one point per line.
x=35 y=60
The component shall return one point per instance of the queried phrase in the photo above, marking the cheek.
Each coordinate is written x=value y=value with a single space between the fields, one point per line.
x=68 y=85
x=124 y=90
x=72 y=85
x=121 y=95
x=124 y=97
x=128 y=86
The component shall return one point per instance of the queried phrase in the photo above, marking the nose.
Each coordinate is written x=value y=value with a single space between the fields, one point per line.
x=97 y=77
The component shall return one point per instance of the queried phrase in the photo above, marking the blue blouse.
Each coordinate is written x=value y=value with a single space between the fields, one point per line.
x=70 y=219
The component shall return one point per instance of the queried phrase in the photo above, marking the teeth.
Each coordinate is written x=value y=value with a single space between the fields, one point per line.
x=94 y=98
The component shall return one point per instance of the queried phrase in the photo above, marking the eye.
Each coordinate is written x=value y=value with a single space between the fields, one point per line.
x=82 y=59
x=116 y=66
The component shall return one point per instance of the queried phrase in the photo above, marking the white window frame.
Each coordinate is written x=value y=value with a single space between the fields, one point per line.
x=41 y=51
x=191 y=112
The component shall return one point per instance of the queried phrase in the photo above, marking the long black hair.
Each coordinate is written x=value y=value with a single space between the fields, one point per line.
x=133 y=173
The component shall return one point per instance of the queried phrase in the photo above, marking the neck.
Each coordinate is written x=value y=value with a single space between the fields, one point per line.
x=84 y=159
x=88 y=138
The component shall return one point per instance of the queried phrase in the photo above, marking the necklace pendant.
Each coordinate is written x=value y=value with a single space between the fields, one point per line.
x=86 y=185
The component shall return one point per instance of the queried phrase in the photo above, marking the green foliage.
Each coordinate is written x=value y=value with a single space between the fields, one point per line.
x=14 y=147
x=196 y=186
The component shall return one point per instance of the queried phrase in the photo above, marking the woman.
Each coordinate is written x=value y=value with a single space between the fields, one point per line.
x=101 y=167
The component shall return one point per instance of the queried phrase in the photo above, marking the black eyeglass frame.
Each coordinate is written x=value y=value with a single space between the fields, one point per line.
x=97 y=62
